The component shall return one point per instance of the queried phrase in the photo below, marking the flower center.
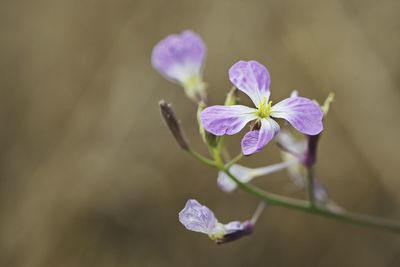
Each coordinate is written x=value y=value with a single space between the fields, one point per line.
x=195 y=88
x=218 y=233
x=264 y=109
x=193 y=82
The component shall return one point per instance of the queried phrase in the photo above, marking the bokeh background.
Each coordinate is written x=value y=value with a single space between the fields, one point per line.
x=90 y=176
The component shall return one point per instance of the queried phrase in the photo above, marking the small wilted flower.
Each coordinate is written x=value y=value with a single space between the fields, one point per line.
x=245 y=174
x=198 y=218
x=180 y=58
x=253 y=79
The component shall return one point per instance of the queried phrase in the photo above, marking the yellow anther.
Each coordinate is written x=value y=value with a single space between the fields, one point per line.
x=264 y=109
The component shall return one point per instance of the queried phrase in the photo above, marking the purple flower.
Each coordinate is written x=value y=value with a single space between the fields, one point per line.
x=252 y=78
x=198 y=218
x=180 y=58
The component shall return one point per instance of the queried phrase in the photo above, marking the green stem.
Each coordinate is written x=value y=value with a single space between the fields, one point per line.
x=201 y=158
x=291 y=203
x=310 y=183
x=234 y=160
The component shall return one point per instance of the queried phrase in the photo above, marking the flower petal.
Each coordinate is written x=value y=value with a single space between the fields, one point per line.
x=252 y=78
x=233 y=227
x=221 y=120
x=179 y=57
x=302 y=113
x=198 y=218
x=295 y=145
x=320 y=192
x=254 y=141
x=226 y=184
x=235 y=230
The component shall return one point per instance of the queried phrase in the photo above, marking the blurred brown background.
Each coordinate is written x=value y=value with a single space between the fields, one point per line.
x=90 y=176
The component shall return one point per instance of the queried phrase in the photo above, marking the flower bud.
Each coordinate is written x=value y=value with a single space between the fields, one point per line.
x=173 y=124
x=329 y=99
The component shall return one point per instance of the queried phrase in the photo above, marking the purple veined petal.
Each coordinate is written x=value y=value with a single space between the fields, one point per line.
x=226 y=184
x=179 y=57
x=255 y=141
x=198 y=218
x=221 y=120
x=252 y=78
x=302 y=113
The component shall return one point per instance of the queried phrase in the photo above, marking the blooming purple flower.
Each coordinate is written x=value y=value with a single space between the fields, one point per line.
x=198 y=218
x=180 y=58
x=253 y=79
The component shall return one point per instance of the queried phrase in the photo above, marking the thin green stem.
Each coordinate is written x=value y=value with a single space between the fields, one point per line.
x=234 y=160
x=286 y=202
x=310 y=183
x=201 y=158
x=257 y=213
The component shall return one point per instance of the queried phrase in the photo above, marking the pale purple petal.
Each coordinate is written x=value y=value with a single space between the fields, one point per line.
x=221 y=120
x=255 y=141
x=302 y=113
x=233 y=227
x=261 y=171
x=296 y=146
x=198 y=218
x=320 y=192
x=252 y=78
x=235 y=230
x=226 y=184
x=295 y=171
x=179 y=57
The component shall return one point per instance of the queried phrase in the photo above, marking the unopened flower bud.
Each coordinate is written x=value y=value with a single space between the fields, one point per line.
x=329 y=99
x=173 y=124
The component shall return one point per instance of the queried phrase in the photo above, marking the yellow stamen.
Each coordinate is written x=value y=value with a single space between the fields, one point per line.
x=264 y=109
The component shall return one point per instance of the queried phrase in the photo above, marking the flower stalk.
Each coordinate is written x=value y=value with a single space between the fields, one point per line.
x=296 y=204
x=306 y=206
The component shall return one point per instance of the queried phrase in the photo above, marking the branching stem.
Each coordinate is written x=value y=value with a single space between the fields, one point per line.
x=307 y=206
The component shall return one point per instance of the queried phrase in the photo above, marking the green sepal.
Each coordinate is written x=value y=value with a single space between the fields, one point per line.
x=232 y=97
x=208 y=138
